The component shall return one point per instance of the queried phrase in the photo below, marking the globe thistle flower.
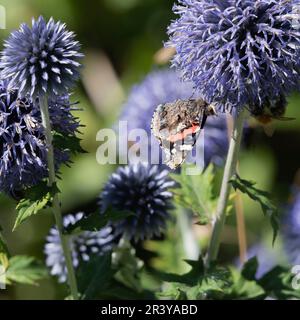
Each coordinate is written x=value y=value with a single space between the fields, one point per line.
x=23 y=150
x=42 y=59
x=237 y=52
x=142 y=190
x=82 y=246
x=164 y=86
x=291 y=229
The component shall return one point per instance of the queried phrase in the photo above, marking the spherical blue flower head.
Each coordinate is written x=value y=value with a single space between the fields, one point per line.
x=164 y=86
x=42 y=59
x=144 y=191
x=237 y=52
x=23 y=150
x=82 y=246
x=291 y=230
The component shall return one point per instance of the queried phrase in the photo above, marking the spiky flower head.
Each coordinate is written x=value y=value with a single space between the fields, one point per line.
x=23 y=150
x=144 y=191
x=162 y=86
x=42 y=59
x=238 y=52
x=291 y=229
x=82 y=246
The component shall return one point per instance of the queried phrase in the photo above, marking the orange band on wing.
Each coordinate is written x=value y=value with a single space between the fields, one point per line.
x=182 y=135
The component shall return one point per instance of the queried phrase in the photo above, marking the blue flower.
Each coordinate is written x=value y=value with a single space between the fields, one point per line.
x=237 y=52
x=164 y=86
x=144 y=191
x=23 y=150
x=291 y=230
x=82 y=246
x=42 y=59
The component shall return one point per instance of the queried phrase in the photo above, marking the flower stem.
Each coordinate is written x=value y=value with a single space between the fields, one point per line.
x=56 y=203
x=239 y=208
x=230 y=169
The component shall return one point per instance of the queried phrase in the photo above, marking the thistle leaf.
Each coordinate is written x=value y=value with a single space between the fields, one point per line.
x=25 y=270
x=68 y=143
x=35 y=199
x=262 y=197
x=198 y=283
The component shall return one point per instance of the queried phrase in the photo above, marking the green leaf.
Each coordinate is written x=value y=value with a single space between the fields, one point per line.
x=230 y=283
x=96 y=221
x=243 y=288
x=195 y=192
x=95 y=276
x=215 y=283
x=262 y=197
x=68 y=143
x=25 y=270
x=278 y=283
x=35 y=199
x=198 y=283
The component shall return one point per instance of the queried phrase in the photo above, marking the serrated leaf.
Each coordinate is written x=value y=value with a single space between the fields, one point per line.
x=196 y=193
x=262 y=197
x=96 y=221
x=67 y=142
x=198 y=283
x=35 y=199
x=215 y=283
x=25 y=270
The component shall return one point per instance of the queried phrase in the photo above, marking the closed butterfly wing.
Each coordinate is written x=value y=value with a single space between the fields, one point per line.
x=177 y=127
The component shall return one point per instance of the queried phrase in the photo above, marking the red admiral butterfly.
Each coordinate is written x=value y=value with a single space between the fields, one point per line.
x=177 y=126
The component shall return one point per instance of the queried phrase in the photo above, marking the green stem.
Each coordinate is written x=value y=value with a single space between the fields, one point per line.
x=230 y=169
x=56 y=203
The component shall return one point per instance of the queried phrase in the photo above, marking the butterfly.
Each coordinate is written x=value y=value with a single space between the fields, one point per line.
x=177 y=126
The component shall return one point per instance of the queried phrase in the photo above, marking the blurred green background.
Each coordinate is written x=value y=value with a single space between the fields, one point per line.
x=120 y=39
